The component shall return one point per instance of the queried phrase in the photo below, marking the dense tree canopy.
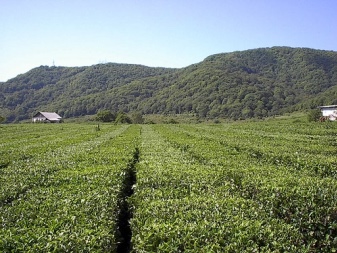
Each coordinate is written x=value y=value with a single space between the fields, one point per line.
x=122 y=117
x=253 y=83
x=105 y=116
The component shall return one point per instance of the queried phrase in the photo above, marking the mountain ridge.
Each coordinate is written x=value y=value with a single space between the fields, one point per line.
x=254 y=83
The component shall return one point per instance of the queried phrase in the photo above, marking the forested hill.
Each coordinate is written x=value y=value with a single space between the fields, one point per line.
x=70 y=91
x=253 y=83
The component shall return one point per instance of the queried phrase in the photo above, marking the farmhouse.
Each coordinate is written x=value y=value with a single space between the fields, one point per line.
x=52 y=117
x=329 y=111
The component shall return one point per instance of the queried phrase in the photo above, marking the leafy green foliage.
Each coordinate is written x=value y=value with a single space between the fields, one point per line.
x=105 y=116
x=314 y=115
x=286 y=169
x=123 y=118
x=137 y=118
x=265 y=186
x=183 y=203
x=62 y=193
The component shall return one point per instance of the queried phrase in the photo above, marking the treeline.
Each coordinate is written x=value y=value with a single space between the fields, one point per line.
x=120 y=117
x=248 y=84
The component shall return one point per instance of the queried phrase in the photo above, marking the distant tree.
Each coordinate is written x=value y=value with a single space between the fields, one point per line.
x=137 y=118
x=172 y=121
x=314 y=115
x=2 y=119
x=202 y=110
x=105 y=116
x=122 y=118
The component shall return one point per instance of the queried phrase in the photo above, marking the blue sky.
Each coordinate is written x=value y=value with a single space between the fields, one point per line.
x=165 y=33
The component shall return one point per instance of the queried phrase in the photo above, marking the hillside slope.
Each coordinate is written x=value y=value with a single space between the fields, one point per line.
x=70 y=91
x=253 y=83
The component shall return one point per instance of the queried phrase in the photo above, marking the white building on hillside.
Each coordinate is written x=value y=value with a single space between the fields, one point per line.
x=52 y=117
x=329 y=111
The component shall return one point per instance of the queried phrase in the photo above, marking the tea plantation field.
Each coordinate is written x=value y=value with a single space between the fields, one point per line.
x=267 y=186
